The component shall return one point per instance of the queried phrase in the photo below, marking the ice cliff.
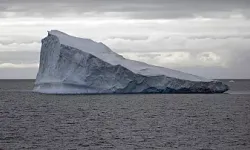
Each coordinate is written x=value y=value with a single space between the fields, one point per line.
x=71 y=65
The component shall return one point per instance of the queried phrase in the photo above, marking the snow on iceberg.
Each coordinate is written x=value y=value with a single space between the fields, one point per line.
x=72 y=65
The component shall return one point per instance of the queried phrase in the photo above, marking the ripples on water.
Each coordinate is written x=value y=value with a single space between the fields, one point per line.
x=36 y=121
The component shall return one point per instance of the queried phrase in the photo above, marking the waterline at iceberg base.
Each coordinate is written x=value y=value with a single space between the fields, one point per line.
x=72 y=65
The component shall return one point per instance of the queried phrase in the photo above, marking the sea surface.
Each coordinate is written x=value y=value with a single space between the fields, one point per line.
x=124 y=122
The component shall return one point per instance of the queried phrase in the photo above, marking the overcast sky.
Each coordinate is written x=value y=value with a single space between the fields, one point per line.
x=209 y=38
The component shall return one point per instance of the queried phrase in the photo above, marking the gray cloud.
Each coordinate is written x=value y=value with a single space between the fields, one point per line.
x=220 y=37
x=19 y=57
x=11 y=42
x=18 y=73
x=217 y=72
x=131 y=38
x=192 y=37
x=146 y=9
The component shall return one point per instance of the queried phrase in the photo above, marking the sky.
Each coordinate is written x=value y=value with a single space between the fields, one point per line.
x=210 y=38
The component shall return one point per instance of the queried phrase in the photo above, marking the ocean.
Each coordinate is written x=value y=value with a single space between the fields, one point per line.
x=124 y=122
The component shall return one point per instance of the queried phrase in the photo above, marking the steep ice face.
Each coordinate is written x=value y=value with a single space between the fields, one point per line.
x=75 y=65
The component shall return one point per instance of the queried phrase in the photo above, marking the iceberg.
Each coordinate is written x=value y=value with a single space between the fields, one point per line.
x=72 y=65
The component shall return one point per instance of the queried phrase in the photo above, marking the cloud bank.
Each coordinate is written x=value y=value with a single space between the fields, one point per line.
x=143 y=9
x=208 y=38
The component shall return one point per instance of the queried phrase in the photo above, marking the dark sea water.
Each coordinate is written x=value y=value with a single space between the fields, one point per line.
x=125 y=122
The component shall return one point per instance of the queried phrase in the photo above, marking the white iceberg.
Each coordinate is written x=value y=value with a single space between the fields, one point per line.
x=71 y=65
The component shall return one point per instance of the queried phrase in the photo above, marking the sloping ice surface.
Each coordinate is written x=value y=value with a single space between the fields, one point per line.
x=71 y=65
x=103 y=52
